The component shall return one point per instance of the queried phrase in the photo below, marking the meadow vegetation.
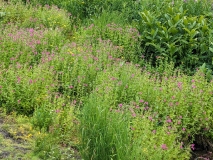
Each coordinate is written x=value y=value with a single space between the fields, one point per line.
x=106 y=79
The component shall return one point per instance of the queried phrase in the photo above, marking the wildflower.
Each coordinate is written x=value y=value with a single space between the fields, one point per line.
x=113 y=78
x=117 y=110
x=132 y=128
x=192 y=146
x=169 y=127
x=31 y=30
x=31 y=81
x=74 y=101
x=179 y=84
x=57 y=110
x=120 y=105
x=193 y=81
x=183 y=129
x=206 y=129
x=141 y=100
x=193 y=86
x=133 y=115
x=137 y=107
x=169 y=121
x=164 y=147
x=181 y=145
x=146 y=108
x=70 y=87
x=154 y=131
x=18 y=79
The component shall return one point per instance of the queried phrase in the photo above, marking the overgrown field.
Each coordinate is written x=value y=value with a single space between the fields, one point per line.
x=106 y=79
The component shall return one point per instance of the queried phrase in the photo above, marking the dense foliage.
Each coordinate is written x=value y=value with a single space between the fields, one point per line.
x=115 y=79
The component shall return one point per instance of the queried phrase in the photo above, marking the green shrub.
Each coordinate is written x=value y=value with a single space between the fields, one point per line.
x=198 y=7
x=174 y=35
x=89 y=8
x=42 y=117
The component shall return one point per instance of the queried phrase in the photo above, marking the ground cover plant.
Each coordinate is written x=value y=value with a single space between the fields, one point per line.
x=91 y=80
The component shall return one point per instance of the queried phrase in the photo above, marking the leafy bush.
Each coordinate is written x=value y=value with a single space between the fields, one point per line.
x=197 y=7
x=84 y=9
x=42 y=118
x=174 y=35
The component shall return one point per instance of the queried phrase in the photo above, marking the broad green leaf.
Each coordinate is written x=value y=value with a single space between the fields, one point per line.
x=184 y=41
x=177 y=18
x=170 y=23
x=200 y=20
x=156 y=46
x=204 y=28
x=152 y=32
x=173 y=30
x=170 y=10
x=181 y=9
x=203 y=48
x=193 y=33
x=185 y=21
x=193 y=25
x=155 y=33
x=188 y=31
x=2 y=14
x=164 y=28
x=211 y=49
x=167 y=16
